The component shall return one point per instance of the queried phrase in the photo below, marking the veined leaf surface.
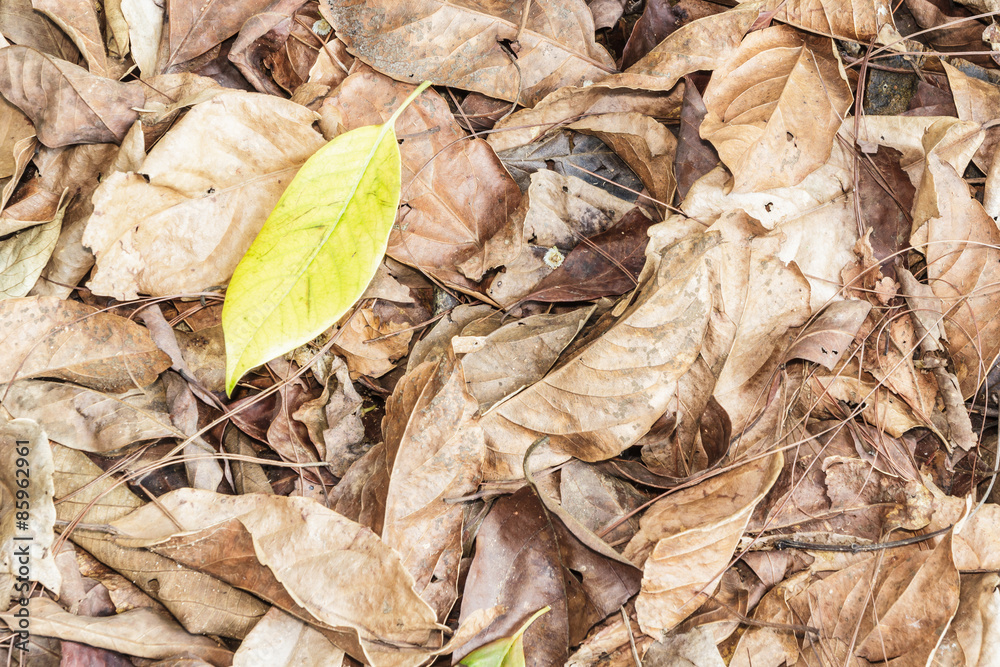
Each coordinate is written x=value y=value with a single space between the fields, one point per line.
x=318 y=250
x=505 y=652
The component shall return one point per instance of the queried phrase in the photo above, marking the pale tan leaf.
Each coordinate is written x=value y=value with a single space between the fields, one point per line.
x=458 y=44
x=14 y=127
x=971 y=637
x=979 y=102
x=859 y=20
x=117 y=29
x=24 y=255
x=372 y=346
x=66 y=103
x=78 y=19
x=366 y=594
x=203 y=192
x=518 y=354
x=145 y=25
x=48 y=337
x=25 y=455
x=454 y=220
x=827 y=338
x=774 y=108
x=139 y=632
x=93 y=421
x=607 y=395
x=281 y=640
x=686 y=540
x=203 y=604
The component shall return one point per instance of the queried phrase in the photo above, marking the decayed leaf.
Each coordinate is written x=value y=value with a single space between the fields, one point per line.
x=203 y=604
x=24 y=255
x=276 y=49
x=646 y=146
x=774 y=108
x=26 y=505
x=629 y=374
x=456 y=196
x=517 y=354
x=78 y=19
x=828 y=337
x=48 y=337
x=372 y=346
x=212 y=180
x=707 y=519
x=66 y=103
x=281 y=640
x=92 y=421
x=284 y=545
x=145 y=26
x=196 y=26
x=971 y=636
x=334 y=420
x=139 y=632
x=459 y=45
x=561 y=212
x=597 y=500
x=329 y=232
x=606 y=264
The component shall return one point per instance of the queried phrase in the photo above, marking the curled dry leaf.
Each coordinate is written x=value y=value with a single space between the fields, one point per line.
x=284 y=545
x=145 y=27
x=195 y=27
x=608 y=394
x=708 y=519
x=48 y=337
x=66 y=103
x=774 y=108
x=826 y=339
x=459 y=45
x=456 y=197
x=24 y=255
x=78 y=19
x=203 y=604
x=204 y=192
x=93 y=421
x=139 y=632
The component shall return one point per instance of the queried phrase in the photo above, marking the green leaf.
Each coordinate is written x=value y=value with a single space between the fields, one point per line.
x=318 y=250
x=504 y=652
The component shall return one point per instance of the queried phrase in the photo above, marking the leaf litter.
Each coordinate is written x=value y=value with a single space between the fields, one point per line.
x=680 y=349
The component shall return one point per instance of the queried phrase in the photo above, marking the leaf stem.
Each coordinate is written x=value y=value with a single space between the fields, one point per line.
x=395 y=114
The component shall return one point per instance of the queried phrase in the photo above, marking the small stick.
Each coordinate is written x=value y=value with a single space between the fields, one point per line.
x=857 y=548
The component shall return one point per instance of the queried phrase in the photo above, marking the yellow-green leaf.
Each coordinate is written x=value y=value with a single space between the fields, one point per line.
x=318 y=250
x=503 y=652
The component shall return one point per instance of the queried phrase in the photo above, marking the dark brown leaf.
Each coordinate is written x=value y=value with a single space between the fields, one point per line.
x=695 y=156
x=603 y=265
x=658 y=20
x=196 y=26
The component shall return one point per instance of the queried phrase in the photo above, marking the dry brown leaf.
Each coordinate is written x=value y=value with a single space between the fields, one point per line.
x=276 y=49
x=859 y=20
x=21 y=24
x=78 y=19
x=139 y=632
x=647 y=147
x=48 y=337
x=569 y=104
x=762 y=646
x=66 y=103
x=203 y=604
x=827 y=338
x=606 y=12
x=436 y=344
x=372 y=346
x=195 y=27
x=517 y=354
x=334 y=420
x=14 y=128
x=979 y=102
x=367 y=597
x=774 y=108
x=281 y=640
x=708 y=519
x=607 y=395
x=458 y=44
x=93 y=421
x=456 y=197
x=971 y=637
x=597 y=500
x=204 y=191
x=961 y=243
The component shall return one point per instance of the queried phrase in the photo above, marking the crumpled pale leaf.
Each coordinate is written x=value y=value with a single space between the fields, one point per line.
x=367 y=596
x=203 y=192
x=707 y=519
x=139 y=632
x=145 y=26
x=96 y=349
x=458 y=45
x=629 y=374
x=774 y=108
x=281 y=640
x=89 y=420
x=24 y=255
x=456 y=197
x=66 y=103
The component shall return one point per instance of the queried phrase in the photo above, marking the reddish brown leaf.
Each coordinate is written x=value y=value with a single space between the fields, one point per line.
x=658 y=20
x=695 y=156
x=603 y=265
